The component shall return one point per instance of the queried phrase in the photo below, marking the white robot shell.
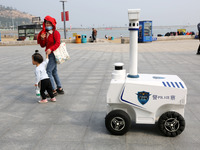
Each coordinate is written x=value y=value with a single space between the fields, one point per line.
x=147 y=98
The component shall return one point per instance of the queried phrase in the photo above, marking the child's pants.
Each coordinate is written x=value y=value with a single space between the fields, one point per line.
x=46 y=85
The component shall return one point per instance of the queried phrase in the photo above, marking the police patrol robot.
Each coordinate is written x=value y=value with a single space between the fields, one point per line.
x=144 y=98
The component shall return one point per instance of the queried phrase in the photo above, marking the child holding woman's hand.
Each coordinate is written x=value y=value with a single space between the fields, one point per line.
x=41 y=76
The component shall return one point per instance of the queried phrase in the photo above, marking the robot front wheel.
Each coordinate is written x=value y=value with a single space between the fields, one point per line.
x=171 y=124
x=117 y=122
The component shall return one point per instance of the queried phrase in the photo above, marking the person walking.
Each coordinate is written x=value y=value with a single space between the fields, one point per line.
x=94 y=34
x=198 y=27
x=49 y=38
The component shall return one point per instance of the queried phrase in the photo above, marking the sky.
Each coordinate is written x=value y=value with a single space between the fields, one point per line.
x=108 y=13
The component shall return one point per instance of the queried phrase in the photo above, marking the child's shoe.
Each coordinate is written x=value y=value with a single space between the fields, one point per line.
x=53 y=99
x=43 y=101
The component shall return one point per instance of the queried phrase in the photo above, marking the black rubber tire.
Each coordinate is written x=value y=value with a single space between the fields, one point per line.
x=118 y=122
x=171 y=124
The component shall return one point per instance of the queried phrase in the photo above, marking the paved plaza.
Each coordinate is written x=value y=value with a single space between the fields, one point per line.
x=76 y=120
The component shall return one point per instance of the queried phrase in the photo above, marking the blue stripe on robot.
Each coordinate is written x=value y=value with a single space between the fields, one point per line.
x=173 y=84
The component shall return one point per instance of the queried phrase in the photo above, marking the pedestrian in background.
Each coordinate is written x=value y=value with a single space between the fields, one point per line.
x=198 y=27
x=94 y=34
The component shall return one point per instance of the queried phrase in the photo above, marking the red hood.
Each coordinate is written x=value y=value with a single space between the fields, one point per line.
x=50 y=19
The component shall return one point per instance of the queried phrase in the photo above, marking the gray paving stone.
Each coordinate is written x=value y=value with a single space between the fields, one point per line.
x=52 y=145
x=104 y=145
x=17 y=145
x=68 y=132
x=162 y=146
x=25 y=132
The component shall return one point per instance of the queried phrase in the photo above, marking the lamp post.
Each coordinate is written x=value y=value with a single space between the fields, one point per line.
x=64 y=19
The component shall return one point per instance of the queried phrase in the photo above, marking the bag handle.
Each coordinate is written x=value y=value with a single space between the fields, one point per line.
x=55 y=40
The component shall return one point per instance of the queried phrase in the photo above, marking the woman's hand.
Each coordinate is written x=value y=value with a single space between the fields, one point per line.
x=43 y=36
x=48 y=52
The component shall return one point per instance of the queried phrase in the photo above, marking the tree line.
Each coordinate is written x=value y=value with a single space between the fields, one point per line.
x=9 y=22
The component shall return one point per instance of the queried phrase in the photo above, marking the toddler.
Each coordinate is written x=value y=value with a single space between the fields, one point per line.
x=42 y=77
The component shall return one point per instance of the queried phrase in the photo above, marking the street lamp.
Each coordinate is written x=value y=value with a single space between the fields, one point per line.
x=63 y=1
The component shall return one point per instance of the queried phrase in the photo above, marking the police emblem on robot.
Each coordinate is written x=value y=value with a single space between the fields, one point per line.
x=143 y=97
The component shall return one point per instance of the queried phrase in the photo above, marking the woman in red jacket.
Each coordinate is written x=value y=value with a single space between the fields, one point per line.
x=49 y=38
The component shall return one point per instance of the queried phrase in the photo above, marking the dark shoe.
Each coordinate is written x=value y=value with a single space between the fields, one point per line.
x=47 y=95
x=60 y=91
x=54 y=93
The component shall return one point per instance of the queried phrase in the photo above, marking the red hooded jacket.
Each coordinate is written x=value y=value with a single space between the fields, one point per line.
x=51 y=42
